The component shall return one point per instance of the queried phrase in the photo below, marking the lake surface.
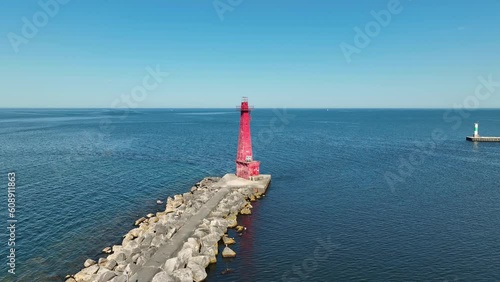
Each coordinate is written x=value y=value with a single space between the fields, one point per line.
x=374 y=195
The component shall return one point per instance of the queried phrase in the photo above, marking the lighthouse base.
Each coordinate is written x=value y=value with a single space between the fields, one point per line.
x=258 y=183
x=247 y=169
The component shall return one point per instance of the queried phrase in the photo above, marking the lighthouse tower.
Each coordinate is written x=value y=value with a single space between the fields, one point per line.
x=476 y=129
x=246 y=167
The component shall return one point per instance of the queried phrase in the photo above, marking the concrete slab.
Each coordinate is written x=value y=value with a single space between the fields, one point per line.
x=259 y=183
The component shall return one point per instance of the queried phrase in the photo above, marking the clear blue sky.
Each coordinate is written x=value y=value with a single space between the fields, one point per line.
x=279 y=53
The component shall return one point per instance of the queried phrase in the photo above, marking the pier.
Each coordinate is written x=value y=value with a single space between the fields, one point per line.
x=178 y=244
x=483 y=139
x=214 y=212
x=476 y=138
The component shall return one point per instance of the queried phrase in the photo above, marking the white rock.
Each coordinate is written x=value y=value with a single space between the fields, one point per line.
x=89 y=262
x=246 y=211
x=163 y=277
x=136 y=232
x=111 y=264
x=131 y=245
x=208 y=251
x=183 y=275
x=171 y=265
x=170 y=209
x=86 y=273
x=228 y=253
x=119 y=257
x=117 y=248
x=120 y=278
x=131 y=268
x=203 y=261
x=140 y=220
x=228 y=240
x=199 y=273
x=120 y=268
x=185 y=254
x=195 y=244
x=106 y=276
x=102 y=261
x=129 y=237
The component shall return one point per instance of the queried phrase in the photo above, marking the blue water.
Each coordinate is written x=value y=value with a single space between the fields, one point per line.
x=330 y=214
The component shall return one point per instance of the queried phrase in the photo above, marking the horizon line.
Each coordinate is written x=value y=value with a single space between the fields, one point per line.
x=237 y=107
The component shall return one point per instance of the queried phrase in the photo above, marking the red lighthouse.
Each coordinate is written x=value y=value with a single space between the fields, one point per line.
x=246 y=167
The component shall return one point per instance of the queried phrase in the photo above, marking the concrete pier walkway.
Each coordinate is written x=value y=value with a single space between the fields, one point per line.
x=173 y=246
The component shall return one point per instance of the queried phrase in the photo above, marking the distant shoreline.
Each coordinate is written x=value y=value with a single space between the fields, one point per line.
x=20 y=108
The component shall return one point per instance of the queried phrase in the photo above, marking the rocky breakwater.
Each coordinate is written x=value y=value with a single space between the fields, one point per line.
x=179 y=243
